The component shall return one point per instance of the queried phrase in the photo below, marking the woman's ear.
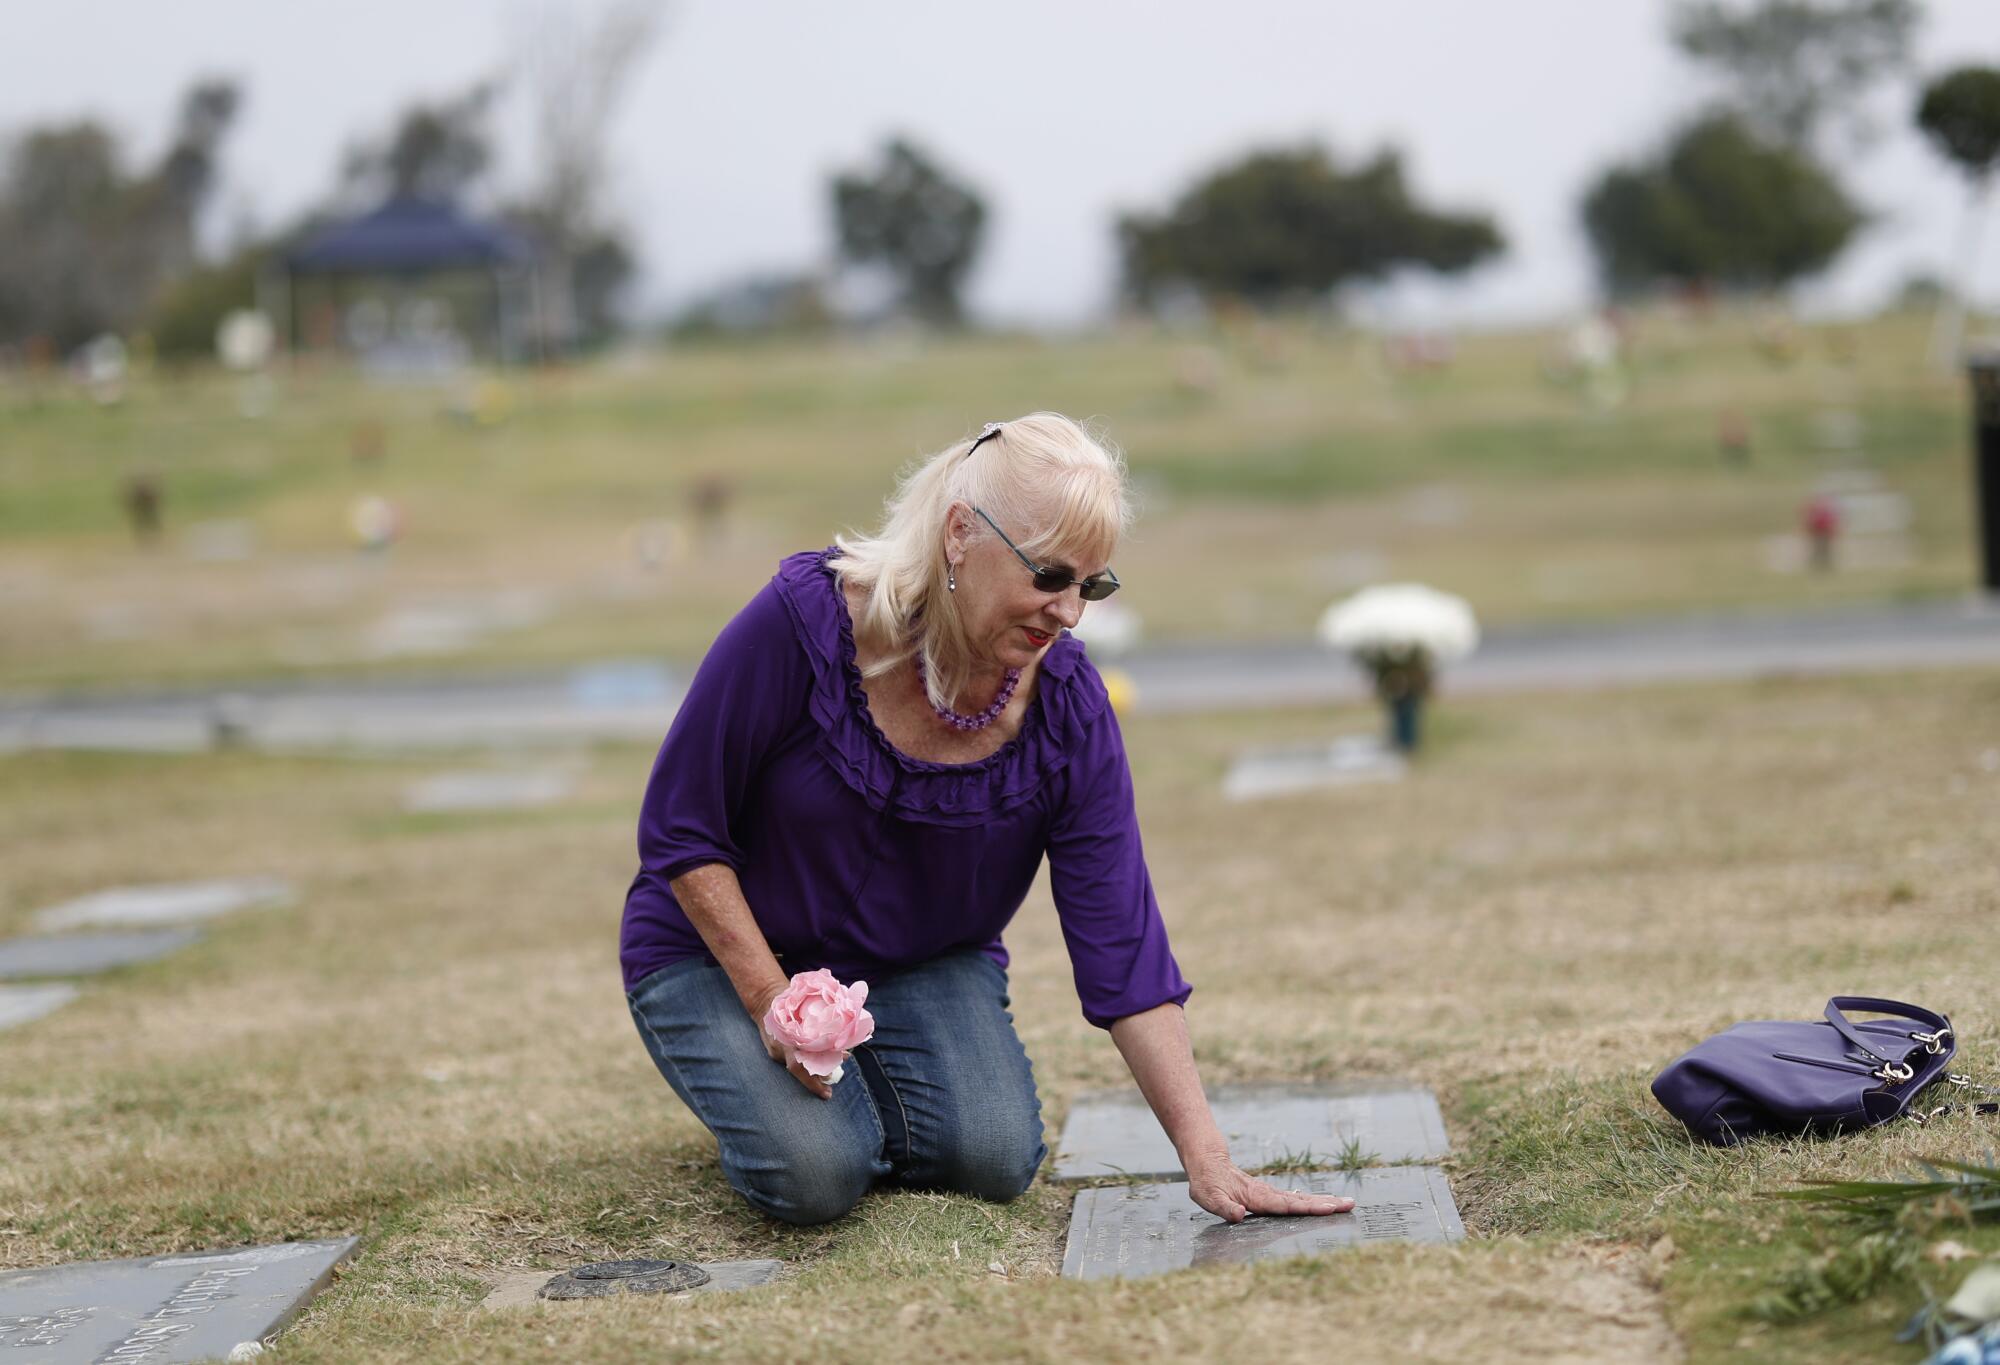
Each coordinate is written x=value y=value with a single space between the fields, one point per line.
x=957 y=531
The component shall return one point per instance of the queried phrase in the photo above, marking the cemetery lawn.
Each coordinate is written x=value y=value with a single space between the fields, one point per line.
x=1311 y=468
x=431 y=1048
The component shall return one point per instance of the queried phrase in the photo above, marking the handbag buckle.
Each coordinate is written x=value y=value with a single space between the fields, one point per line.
x=1933 y=1042
x=1895 y=1073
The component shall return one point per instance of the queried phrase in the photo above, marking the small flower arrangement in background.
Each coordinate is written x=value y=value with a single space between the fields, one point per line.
x=1402 y=634
x=818 y=1021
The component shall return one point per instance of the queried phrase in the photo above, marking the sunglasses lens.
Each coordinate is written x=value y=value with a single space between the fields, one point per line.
x=1097 y=589
x=1048 y=581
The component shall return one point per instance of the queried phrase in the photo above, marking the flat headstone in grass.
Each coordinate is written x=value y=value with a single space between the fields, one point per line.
x=138 y=907
x=621 y=682
x=161 y=1309
x=476 y=791
x=523 y=1288
x=88 y=954
x=23 y=1004
x=1113 y=1133
x=1348 y=761
x=1129 y=1231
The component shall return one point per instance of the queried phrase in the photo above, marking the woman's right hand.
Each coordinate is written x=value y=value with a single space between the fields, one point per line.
x=761 y=1006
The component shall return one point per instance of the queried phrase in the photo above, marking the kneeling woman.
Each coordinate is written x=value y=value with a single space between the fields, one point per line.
x=868 y=769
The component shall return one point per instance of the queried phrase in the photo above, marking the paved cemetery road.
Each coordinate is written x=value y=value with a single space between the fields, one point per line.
x=636 y=700
x=1875 y=639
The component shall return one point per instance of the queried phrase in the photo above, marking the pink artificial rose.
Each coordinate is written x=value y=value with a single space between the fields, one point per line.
x=817 y=1019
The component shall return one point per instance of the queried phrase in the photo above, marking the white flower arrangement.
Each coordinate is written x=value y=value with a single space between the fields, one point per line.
x=1402 y=633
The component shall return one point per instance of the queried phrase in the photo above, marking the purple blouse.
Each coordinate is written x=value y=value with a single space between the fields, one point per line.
x=856 y=857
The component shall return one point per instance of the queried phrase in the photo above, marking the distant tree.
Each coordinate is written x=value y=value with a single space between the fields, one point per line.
x=434 y=151
x=583 y=280
x=758 y=305
x=61 y=261
x=1960 y=114
x=909 y=217
x=1720 y=206
x=86 y=245
x=179 y=188
x=1794 y=67
x=184 y=321
x=578 y=63
x=1280 y=226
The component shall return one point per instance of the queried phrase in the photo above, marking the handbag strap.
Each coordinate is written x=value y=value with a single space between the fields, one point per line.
x=1836 y=1015
x=1960 y=1083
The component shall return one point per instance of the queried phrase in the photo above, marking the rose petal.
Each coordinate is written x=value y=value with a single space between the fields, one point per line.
x=821 y=1064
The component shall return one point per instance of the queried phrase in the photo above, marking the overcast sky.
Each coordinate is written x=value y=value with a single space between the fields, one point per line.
x=1062 y=111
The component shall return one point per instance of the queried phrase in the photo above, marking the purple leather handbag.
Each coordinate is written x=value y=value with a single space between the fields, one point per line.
x=1775 y=1076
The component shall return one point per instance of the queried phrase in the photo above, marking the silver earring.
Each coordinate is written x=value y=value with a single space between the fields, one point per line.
x=950 y=579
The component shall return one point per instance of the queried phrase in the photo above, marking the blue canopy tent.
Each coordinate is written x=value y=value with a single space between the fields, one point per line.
x=407 y=238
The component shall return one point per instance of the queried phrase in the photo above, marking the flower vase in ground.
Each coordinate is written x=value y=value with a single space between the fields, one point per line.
x=1406 y=722
x=1401 y=634
x=1402 y=681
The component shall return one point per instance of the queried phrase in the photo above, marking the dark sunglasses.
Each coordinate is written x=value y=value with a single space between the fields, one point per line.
x=1054 y=580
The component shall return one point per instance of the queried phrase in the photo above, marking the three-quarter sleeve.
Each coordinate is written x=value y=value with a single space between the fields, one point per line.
x=749 y=690
x=1104 y=897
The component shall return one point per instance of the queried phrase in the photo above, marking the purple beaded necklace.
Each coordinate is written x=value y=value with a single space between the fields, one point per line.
x=984 y=718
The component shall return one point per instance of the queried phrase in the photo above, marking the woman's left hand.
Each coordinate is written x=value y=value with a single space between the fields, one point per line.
x=1218 y=1186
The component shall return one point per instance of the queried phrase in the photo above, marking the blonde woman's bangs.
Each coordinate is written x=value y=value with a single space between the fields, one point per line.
x=1089 y=516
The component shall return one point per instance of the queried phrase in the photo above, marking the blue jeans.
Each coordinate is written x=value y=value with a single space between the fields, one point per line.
x=942 y=1097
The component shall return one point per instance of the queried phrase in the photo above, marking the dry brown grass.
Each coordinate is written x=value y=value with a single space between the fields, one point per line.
x=431 y=1049
x=1289 y=484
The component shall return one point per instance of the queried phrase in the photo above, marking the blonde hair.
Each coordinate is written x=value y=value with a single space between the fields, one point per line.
x=1043 y=472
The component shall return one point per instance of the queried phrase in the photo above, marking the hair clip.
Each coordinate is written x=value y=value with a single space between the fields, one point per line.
x=991 y=430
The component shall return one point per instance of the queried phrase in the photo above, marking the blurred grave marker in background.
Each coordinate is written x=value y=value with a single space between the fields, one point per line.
x=1350 y=760
x=658 y=543
x=131 y=907
x=1435 y=505
x=226 y=540
x=488 y=790
x=27 y=959
x=452 y=625
x=25 y=1004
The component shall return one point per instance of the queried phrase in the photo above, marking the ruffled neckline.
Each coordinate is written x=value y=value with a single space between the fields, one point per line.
x=1068 y=698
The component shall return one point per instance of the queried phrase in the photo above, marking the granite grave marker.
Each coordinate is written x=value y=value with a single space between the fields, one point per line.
x=1113 y=1133
x=155 y=1310
x=1129 y=1231
x=139 y=907
x=477 y=791
x=23 y=1004
x=1349 y=760
x=88 y=954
